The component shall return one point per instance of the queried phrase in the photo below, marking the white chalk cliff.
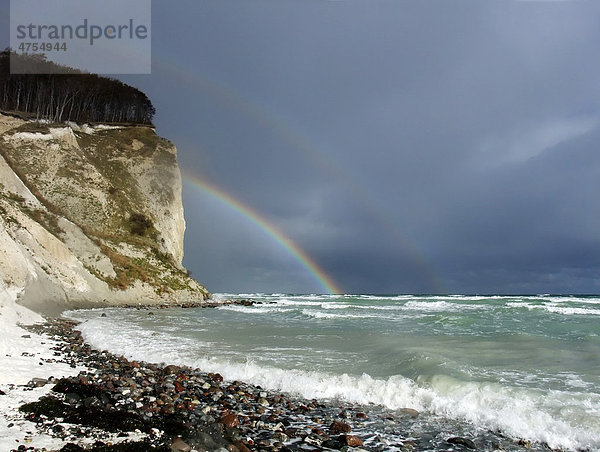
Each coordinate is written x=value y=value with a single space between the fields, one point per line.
x=90 y=216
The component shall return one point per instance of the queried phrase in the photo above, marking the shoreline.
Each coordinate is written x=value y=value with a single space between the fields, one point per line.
x=166 y=407
x=169 y=407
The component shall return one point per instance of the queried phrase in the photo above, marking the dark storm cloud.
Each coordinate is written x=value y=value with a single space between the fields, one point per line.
x=406 y=146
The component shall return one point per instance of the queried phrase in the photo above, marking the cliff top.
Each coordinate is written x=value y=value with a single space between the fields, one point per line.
x=59 y=93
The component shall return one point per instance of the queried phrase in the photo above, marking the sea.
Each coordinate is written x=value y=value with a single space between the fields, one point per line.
x=520 y=366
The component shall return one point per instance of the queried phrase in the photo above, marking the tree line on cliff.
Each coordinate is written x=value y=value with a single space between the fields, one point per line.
x=59 y=93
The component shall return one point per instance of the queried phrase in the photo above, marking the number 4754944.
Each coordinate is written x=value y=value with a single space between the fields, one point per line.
x=27 y=47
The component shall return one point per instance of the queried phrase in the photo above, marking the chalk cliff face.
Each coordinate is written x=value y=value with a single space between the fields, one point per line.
x=90 y=215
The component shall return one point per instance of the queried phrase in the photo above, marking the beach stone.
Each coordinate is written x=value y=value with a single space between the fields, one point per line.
x=334 y=444
x=72 y=447
x=280 y=436
x=231 y=420
x=320 y=432
x=280 y=426
x=92 y=402
x=38 y=382
x=292 y=432
x=462 y=442
x=410 y=412
x=246 y=302
x=72 y=398
x=339 y=427
x=352 y=440
x=168 y=409
x=216 y=377
x=171 y=369
x=314 y=440
x=178 y=445
x=241 y=447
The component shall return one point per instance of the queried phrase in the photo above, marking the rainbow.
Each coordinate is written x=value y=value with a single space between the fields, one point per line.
x=272 y=230
x=276 y=124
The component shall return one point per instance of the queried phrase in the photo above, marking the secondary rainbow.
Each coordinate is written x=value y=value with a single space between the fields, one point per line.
x=227 y=97
x=300 y=255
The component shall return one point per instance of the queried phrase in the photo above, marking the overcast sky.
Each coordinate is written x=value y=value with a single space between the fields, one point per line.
x=406 y=146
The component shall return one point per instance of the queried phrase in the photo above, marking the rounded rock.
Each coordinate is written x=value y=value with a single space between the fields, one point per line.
x=230 y=420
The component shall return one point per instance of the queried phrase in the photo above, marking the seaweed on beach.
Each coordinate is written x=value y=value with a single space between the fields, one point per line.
x=48 y=406
x=66 y=386
x=113 y=421
x=128 y=446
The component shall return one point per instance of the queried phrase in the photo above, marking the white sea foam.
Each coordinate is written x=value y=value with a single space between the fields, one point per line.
x=313 y=296
x=557 y=309
x=442 y=305
x=523 y=304
x=464 y=297
x=568 y=299
x=429 y=305
x=229 y=296
x=330 y=315
x=570 y=310
x=575 y=381
x=380 y=308
x=291 y=303
x=334 y=306
x=260 y=309
x=589 y=301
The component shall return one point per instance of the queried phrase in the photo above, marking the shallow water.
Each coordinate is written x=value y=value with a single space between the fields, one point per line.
x=528 y=366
